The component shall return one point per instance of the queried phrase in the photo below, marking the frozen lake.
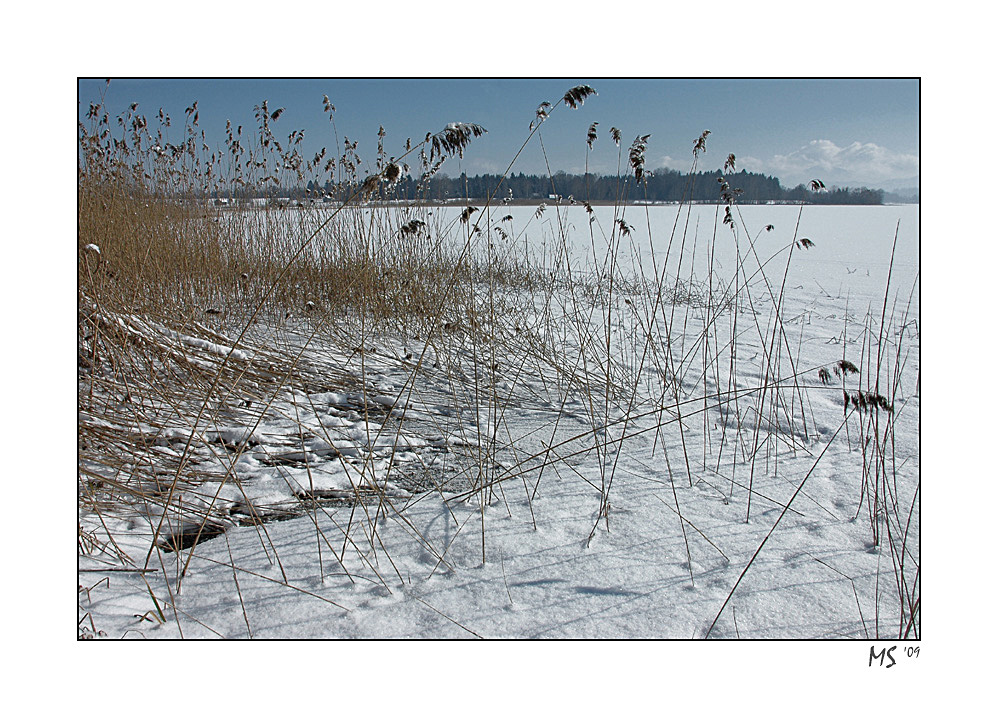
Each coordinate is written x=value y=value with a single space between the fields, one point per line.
x=852 y=244
x=849 y=257
x=674 y=435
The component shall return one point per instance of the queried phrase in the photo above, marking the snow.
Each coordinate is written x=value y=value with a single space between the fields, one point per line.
x=510 y=503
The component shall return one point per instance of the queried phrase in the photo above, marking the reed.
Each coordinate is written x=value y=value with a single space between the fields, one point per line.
x=208 y=318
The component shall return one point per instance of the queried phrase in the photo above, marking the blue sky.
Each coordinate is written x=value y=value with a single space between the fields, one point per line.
x=845 y=132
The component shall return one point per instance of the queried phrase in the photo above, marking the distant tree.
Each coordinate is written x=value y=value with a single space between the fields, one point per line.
x=662 y=185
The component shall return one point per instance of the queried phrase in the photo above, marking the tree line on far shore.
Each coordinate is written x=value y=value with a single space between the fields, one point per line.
x=663 y=185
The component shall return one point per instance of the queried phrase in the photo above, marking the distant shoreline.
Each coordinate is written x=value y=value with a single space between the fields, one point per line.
x=290 y=203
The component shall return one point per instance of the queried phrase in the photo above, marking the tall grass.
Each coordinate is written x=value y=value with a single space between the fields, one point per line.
x=203 y=317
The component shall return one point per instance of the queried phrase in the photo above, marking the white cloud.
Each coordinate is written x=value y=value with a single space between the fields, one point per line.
x=483 y=166
x=672 y=164
x=857 y=164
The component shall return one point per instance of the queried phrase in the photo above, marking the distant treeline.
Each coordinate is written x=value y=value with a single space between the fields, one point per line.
x=661 y=186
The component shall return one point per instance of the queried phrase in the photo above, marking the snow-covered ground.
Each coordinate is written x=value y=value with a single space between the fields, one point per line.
x=606 y=465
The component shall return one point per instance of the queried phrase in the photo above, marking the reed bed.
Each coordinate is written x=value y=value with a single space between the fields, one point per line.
x=210 y=329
